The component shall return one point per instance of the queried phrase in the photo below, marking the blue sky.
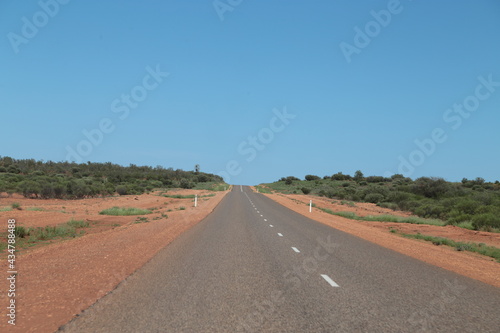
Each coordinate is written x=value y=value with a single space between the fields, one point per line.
x=255 y=90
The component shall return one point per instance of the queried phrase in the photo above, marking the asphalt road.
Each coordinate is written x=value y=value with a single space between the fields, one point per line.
x=255 y=266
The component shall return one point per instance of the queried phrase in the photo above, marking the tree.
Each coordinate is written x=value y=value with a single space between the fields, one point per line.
x=311 y=177
x=358 y=176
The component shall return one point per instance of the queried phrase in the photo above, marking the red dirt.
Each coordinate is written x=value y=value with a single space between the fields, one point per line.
x=469 y=264
x=57 y=281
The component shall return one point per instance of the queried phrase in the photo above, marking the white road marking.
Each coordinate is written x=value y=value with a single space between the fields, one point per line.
x=279 y=234
x=258 y=212
x=261 y=215
x=295 y=249
x=265 y=220
x=330 y=281
x=271 y=226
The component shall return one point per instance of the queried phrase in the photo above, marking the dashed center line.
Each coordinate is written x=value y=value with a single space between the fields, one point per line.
x=280 y=234
x=265 y=220
x=295 y=249
x=271 y=226
x=329 y=280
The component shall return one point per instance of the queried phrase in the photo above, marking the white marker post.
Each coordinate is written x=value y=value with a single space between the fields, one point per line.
x=310 y=206
x=196 y=200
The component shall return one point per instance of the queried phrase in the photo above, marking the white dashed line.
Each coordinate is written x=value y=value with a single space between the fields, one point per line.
x=330 y=281
x=265 y=220
x=279 y=234
x=271 y=226
x=295 y=249
x=261 y=215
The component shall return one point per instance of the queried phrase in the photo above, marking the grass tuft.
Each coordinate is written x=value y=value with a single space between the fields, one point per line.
x=35 y=209
x=122 y=211
x=480 y=248
x=385 y=218
x=77 y=223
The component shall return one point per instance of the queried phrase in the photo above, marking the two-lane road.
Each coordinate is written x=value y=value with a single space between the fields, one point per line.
x=255 y=266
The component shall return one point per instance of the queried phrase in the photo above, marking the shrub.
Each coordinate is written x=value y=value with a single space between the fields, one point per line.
x=20 y=231
x=29 y=188
x=16 y=205
x=374 y=197
x=467 y=206
x=486 y=221
x=431 y=209
x=305 y=190
x=430 y=187
x=340 y=176
x=389 y=205
x=186 y=184
x=311 y=177
x=121 y=190
x=78 y=223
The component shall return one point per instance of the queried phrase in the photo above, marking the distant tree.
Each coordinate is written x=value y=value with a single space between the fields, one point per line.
x=311 y=177
x=430 y=187
x=358 y=176
x=479 y=181
x=341 y=176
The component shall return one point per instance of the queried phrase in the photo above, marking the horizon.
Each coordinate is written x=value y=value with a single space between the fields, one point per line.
x=255 y=91
x=301 y=178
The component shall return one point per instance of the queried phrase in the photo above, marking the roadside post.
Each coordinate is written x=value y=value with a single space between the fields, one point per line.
x=196 y=200
x=310 y=205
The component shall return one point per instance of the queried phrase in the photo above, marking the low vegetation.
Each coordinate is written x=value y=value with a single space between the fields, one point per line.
x=125 y=211
x=473 y=204
x=480 y=248
x=385 y=218
x=33 y=235
x=65 y=180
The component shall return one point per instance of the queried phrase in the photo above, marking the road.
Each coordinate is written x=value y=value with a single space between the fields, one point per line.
x=255 y=266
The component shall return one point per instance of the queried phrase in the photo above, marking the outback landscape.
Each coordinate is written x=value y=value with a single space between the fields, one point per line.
x=73 y=249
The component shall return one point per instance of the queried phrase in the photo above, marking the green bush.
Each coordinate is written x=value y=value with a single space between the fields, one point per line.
x=389 y=205
x=305 y=190
x=486 y=221
x=121 y=190
x=374 y=197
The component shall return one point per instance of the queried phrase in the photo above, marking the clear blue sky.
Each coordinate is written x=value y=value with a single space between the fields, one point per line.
x=359 y=100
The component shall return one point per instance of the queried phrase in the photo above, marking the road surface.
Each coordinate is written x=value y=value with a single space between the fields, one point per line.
x=255 y=266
